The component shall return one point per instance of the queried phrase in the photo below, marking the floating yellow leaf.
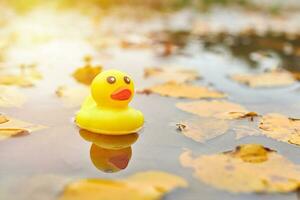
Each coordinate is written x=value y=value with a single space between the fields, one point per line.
x=250 y=168
x=9 y=97
x=11 y=127
x=203 y=129
x=172 y=74
x=87 y=73
x=29 y=74
x=18 y=80
x=151 y=185
x=281 y=128
x=267 y=79
x=172 y=89
x=220 y=109
x=3 y=119
x=72 y=96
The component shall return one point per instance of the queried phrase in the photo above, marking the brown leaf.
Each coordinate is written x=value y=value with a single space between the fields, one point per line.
x=202 y=130
x=249 y=168
x=151 y=185
x=220 y=109
x=280 y=127
x=172 y=74
x=177 y=90
x=267 y=79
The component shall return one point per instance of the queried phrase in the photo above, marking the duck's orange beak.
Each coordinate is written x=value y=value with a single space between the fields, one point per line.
x=121 y=94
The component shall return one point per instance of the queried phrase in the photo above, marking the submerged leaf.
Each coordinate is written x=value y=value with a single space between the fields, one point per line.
x=172 y=89
x=10 y=97
x=72 y=96
x=220 y=109
x=281 y=128
x=11 y=127
x=249 y=168
x=202 y=130
x=172 y=74
x=267 y=79
x=151 y=185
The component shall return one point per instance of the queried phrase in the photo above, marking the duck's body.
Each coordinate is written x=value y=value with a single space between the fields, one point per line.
x=117 y=121
x=106 y=111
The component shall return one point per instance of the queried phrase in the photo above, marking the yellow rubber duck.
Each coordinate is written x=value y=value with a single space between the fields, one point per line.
x=106 y=110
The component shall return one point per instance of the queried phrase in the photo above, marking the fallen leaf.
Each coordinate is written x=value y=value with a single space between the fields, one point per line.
x=151 y=185
x=11 y=127
x=86 y=74
x=18 y=80
x=172 y=89
x=249 y=168
x=9 y=97
x=3 y=119
x=219 y=109
x=245 y=130
x=202 y=130
x=27 y=77
x=72 y=96
x=172 y=74
x=267 y=79
x=281 y=127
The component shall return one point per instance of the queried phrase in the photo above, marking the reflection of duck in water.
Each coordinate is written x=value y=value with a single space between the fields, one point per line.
x=106 y=111
x=110 y=153
x=110 y=160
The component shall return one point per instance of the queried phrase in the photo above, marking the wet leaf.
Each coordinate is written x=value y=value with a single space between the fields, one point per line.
x=149 y=185
x=86 y=74
x=9 y=97
x=172 y=89
x=249 y=168
x=72 y=96
x=281 y=128
x=3 y=119
x=267 y=79
x=202 y=130
x=27 y=77
x=245 y=130
x=220 y=109
x=11 y=127
x=18 y=80
x=172 y=74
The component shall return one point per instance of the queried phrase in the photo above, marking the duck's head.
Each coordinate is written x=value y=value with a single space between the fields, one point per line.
x=112 y=88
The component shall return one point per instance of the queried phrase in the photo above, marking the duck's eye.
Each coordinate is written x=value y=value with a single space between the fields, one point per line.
x=127 y=79
x=111 y=79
